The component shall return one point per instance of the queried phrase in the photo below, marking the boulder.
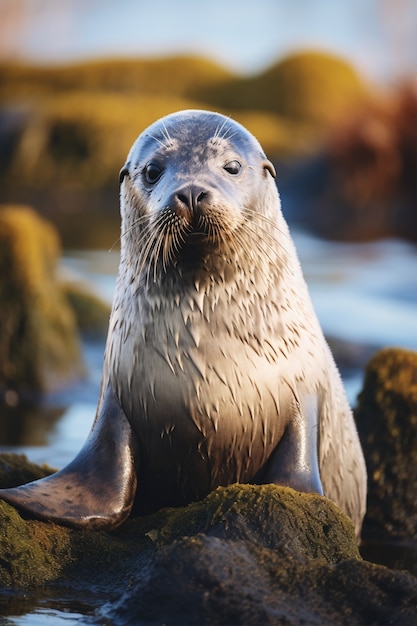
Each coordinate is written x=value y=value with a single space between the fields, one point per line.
x=39 y=344
x=387 y=423
x=246 y=554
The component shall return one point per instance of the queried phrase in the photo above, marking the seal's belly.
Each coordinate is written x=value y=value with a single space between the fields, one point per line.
x=203 y=423
x=202 y=390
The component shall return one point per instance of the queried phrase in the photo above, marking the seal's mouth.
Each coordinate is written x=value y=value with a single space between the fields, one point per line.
x=203 y=229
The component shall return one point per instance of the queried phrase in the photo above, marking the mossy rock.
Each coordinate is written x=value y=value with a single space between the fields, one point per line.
x=16 y=469
x=263 y=516
x=91 y=312
x=77 y=122
x=387 y=422
x=39 y=347
x=246 y=555
x=313 y=88
x=169 y=76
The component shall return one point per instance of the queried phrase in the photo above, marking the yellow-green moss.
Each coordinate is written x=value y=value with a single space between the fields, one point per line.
x=39 y=347
x=80 y=120
x=268 y=517
x=170 y=76
x=265 y=515
x=80 y=139
x=246 y=554
x=31 y=553
x=311 y=88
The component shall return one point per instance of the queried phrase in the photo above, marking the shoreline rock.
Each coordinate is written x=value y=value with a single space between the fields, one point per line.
x=246 y=554
x=39 y=344
x=386 y=417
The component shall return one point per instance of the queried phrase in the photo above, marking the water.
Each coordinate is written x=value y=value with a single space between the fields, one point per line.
x=45 y=607
x=365 y=295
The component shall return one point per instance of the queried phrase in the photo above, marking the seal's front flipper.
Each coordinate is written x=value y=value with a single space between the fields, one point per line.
x=96 y=490
x=294 y=462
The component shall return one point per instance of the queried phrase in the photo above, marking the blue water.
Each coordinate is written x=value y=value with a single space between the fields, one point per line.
x=364 y=294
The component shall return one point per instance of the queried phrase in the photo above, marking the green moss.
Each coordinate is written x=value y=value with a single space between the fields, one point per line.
x=39 y=347
x=72 y=126
x=79 y=140
x=30 y=555
x=387 y=424
x=245 y=555
x=265 y=515
x=80 y=120
x=314 y=87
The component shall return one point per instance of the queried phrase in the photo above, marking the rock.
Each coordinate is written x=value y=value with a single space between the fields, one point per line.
x=246 y=554
x=387 y=423
x=207 y=580
x=92 y=313
x=16 y=469
x=39 y=346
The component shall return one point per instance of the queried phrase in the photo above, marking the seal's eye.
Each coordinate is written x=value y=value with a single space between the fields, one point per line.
x=233 y=167
x=152 y=172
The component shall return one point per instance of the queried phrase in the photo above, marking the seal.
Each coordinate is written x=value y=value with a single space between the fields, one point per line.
x=216 y=369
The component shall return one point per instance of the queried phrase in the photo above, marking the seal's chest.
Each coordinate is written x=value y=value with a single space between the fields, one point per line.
x=207 y=385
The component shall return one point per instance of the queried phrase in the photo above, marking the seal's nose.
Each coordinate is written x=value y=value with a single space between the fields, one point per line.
x=189 y=201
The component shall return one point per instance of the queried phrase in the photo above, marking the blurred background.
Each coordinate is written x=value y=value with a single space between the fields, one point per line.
x=328 y=88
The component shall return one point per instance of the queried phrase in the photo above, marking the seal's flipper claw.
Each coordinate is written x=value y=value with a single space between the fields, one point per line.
x=97 y=489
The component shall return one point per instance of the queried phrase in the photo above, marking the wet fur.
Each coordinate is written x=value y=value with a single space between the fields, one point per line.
x=214 y=355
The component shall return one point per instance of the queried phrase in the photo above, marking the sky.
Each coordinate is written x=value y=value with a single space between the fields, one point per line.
x=378 y=36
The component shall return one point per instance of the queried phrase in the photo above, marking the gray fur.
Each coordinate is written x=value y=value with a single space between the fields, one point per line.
x=214 y=353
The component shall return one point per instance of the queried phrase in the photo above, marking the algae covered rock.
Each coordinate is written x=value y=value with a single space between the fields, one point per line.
x=92 y=313
x=260 y=554
x=16 y=469
x=277 y=519
x=387 y=424
x=39 y=347
x=265 y=515
x=245 y=555
x=312 y=87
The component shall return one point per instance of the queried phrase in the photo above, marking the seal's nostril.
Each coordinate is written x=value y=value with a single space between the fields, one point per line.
x=203 y=195
x=191 y=197
x=183 y=198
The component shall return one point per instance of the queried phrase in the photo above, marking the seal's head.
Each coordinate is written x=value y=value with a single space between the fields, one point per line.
x=193 y=179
